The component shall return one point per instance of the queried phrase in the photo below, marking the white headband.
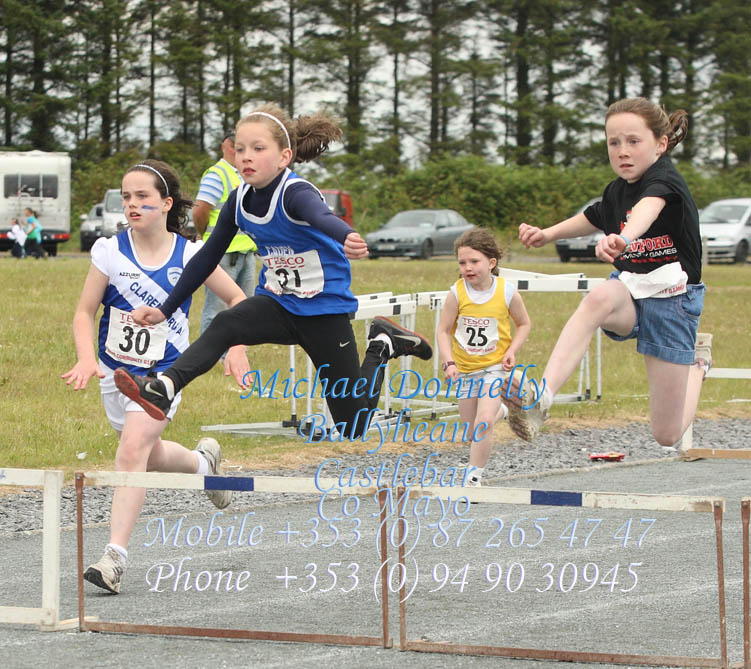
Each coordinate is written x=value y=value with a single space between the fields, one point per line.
x=275 y=120
x=157 y=172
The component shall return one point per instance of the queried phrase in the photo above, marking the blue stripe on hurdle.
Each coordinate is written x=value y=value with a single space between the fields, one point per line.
x=228 y=483
x=555 y=498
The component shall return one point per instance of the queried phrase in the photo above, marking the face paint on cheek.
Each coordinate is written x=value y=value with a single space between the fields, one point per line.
x=148 y=207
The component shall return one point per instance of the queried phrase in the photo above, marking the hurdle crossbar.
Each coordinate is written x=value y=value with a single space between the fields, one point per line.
x=245 y=483
x=687 y=450
x=712 y=505
x=47 y=617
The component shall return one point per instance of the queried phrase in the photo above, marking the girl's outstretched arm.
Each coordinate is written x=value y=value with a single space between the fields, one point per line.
x=83 y=330
x=576 y=226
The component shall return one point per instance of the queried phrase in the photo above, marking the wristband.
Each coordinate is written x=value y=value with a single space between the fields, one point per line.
x=625 y=239
x=447 y=364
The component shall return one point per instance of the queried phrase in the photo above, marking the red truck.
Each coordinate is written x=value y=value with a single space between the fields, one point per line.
x=340 y=202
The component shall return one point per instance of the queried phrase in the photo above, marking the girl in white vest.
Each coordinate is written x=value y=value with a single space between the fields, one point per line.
x=136 y=267
x=475 y=340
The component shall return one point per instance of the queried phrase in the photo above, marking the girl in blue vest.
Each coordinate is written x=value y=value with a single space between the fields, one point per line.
x=138 y=266
x=303 y=295
x=475 y=340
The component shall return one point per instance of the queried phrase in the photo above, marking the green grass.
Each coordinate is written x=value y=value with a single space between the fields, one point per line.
x=46 y=424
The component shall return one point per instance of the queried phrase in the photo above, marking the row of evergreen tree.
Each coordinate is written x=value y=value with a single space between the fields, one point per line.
x=517 y=81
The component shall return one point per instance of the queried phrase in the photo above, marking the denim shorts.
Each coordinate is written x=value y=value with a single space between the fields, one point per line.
x=666 y=327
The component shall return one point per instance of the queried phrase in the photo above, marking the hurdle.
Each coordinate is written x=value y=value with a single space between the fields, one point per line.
x=47 y=617
x=745 y=521
x=278 y=484
x=602 y=500
x=687 y=450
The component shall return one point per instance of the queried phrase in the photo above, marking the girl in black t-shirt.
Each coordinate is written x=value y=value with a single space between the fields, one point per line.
x=655 y=294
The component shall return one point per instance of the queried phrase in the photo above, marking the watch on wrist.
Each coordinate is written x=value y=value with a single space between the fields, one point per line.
x=447 y=364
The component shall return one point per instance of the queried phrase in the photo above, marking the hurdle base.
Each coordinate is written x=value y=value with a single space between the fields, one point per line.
x=692 y=454
x=67 y=624
x=560 y=655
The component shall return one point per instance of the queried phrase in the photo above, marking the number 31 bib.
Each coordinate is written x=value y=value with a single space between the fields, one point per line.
x=132 y=344
x=299 y=274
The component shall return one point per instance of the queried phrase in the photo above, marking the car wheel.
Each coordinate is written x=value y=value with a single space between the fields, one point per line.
x=564 y=257
x=373 y=256
x=426 y=250
x=741 y=253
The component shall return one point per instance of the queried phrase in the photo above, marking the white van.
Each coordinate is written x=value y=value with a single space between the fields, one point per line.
x=39 y=180
x=113 y=214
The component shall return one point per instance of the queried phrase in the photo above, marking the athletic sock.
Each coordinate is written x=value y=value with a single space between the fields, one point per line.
x=387 y=340
x=168 y=385
x=203 y=464
x=119 y=549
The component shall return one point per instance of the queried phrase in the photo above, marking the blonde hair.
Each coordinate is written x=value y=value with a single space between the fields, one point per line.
x=309 y=136
x=674 y=126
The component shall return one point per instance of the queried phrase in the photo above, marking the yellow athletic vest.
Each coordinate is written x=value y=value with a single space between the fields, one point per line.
x=230 y=180
x=482 y=332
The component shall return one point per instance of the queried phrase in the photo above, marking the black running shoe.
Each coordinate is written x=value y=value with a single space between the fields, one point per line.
x=405 y=342
x=147 y=391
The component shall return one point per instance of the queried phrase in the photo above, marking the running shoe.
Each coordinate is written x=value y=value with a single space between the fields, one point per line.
x=526 y=423
x=404 y=342
x=147 y=391
x=107 y=572
x=211 y=450
x=704 y=350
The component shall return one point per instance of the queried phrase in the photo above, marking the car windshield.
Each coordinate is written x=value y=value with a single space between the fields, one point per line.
x=722 y=213
x=412 y=219
x=113 y=202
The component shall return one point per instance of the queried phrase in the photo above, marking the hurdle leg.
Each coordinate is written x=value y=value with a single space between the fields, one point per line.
x=745 y=515
x=717 y=508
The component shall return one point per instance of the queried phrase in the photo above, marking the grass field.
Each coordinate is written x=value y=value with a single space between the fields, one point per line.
x=46 y=425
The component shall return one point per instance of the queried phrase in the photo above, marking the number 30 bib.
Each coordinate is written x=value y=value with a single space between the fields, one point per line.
x=477 y=336
x=132 y=344
x=300 y=274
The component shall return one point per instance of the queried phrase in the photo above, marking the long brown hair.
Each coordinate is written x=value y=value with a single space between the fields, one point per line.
x=673 y=126
x=168 y=186
x=309 y=136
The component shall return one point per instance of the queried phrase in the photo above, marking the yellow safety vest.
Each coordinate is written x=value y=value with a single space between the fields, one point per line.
x=230 y=180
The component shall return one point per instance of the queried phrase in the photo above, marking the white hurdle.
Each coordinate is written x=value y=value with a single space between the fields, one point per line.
x=47 y=617
x=405 y=307
x=687 y=450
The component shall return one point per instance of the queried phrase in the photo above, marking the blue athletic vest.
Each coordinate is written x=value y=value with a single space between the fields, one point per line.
x=304 y=269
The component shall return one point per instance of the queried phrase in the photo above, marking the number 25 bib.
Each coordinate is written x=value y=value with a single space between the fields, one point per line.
x=132 y=344
x=299 y=274
x=477 y=336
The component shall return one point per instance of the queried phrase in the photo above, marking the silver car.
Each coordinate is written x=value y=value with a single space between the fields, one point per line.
x=580 y=247
x=726 y=227
x=418 y=233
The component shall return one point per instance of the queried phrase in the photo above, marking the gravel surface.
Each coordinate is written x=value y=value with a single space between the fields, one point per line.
x=564 y=450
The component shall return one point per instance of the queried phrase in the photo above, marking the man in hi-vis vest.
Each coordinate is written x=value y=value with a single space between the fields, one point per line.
x=239 y=261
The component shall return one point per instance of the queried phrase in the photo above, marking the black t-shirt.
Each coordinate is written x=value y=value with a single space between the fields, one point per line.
x=673 y=237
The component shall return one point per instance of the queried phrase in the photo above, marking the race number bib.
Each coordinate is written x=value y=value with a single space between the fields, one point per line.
x=298 y=274
x=132 y=344
x=477 y=336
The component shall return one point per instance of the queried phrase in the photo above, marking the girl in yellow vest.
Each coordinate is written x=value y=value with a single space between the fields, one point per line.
x=475 y=339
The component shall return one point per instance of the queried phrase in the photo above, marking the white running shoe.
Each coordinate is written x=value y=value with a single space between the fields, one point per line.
x=107 y=572
x=212 y=451
x=526 y=423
